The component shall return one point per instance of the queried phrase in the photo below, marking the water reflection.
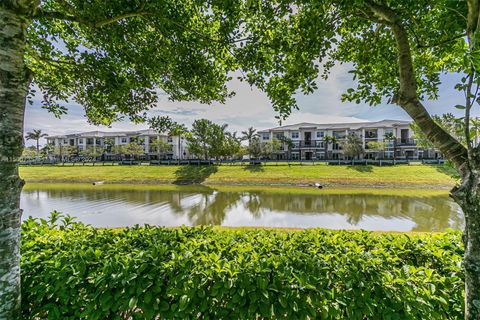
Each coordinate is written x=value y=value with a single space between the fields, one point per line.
x=107 y=206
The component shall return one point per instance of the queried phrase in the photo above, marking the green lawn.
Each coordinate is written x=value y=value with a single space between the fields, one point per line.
x=405 y=176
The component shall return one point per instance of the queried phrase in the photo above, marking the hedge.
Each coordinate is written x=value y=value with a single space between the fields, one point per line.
x=73 y=271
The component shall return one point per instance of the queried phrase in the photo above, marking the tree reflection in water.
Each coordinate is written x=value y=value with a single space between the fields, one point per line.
x=203 y=206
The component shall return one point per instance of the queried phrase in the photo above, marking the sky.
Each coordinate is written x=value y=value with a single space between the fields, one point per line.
x=251 y=107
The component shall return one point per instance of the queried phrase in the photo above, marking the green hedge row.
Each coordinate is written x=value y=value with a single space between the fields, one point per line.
x=72 y=271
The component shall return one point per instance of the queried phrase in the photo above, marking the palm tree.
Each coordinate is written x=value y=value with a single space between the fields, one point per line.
x=249 y=134
x=36 y=135
x=178 y=130
x=389 y=136
x=328 y=140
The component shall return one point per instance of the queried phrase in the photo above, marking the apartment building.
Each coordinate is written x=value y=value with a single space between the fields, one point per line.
x=106 y=142
x=310 y=142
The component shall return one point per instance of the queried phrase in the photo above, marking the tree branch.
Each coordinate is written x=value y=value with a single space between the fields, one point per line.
x=91 y=24
x=98 y=24
x=468 y=107
x=439 y=43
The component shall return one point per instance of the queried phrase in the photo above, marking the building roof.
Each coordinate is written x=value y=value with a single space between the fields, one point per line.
x=104 y=134
x=330 y=126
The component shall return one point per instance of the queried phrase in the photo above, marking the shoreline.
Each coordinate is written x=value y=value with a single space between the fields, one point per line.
x=403 y=177
x=346 y=184
x=267 y=189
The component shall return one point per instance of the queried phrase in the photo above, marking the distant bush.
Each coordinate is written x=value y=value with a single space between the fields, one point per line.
x=73 y=271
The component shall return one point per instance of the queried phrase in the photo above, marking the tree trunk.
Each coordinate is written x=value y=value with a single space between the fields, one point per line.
x=467 y=195
x=14 y=81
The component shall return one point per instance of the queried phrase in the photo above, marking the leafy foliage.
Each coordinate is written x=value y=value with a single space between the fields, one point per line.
x=352 y=146
x=292 y=47
x=116 y=58
x=73 y=271
x=209 y=140
x=133 y=149
x=454 y=126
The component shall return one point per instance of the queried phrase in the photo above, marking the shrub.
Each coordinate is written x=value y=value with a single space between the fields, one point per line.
x=73 y=271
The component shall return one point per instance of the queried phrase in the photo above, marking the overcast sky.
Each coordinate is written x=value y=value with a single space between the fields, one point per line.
x=251 y=107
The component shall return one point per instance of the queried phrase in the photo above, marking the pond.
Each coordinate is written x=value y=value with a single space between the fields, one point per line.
x=292 y=207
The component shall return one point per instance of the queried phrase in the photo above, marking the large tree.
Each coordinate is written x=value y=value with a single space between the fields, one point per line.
x=112 y=57
x=397 y=51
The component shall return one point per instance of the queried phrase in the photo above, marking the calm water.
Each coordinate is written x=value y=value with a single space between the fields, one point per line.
x=117 y=206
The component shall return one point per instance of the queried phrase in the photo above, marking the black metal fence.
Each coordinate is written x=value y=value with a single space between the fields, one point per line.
x=388 y=162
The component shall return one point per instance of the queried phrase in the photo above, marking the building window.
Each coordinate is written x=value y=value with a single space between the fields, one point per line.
x=279 y=136
x=320 y=144
x=265 y=136
x=80 y=141
x=124 y=140
x=98 y=142
x=339 y=134
x=295 y=135
x=89 y=140
x=295 y=156
x=320 y=155
x=296 y=145
x=169 y=139
x=65 y=141
x=370 y=134
x=320 y=134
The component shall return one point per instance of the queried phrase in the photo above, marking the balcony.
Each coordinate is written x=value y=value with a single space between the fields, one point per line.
x=405 y=142
x=312 y=144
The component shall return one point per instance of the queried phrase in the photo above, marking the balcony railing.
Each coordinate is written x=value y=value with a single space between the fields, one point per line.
x=308 y=144
x=405 y=142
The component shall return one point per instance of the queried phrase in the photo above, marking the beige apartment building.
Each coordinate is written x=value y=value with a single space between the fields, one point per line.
x=103 y=140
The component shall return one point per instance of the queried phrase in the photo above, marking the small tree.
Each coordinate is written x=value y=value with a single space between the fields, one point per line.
x=65 y=152
x=46 y=150
x=91 y=152
x=255 y=147
x=327 y=141
x=161 y=147
x=378 y=147
x=352 y=146
x=231 y=145
x=29 y=153
x=270 y=149
x=108 y=144
x=133 y=149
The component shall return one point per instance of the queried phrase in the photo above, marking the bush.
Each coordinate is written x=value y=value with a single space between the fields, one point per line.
x=73 y=271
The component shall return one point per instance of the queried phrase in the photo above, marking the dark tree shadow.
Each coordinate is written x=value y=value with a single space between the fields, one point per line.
x=191 y=174
x=446 y=169
x=254 y=168
x=361 y=168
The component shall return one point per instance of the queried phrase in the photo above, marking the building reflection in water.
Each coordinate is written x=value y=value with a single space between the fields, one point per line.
x=199 y=205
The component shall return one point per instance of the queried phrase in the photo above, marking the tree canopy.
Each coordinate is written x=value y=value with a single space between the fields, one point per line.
x=117 y=58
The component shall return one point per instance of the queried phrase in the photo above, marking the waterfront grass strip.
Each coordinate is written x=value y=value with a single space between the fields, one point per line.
x=406 y=176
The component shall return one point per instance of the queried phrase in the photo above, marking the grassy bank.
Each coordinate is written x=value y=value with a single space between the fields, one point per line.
x=404 y=176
